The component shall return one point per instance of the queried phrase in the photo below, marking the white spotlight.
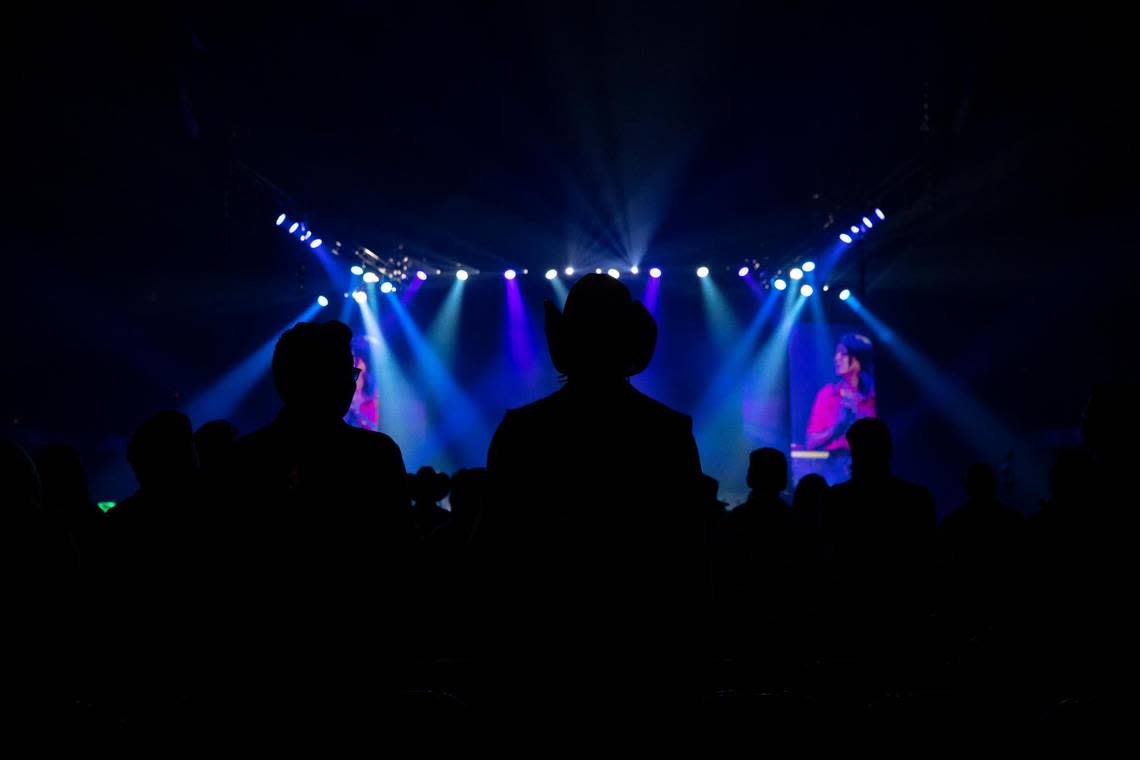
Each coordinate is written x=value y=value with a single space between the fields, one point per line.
x=844 y=294
x=461 y=275
x=654 y=272
x=879 y=213
x=421 y=275
x=316 y=243
x=806 y=290
x=551 y=274
x=371 y=277
x=780 y=283
x=634 y=270
x=306 y=235
x=854 y=230
x=510 y=274
x=845 y=237
x=280 y=220
x=322 y=301
x=387 y=287
x=293 y=227
x=702 y=272
x=360 y=296
x=742 y=271
x=614 y=273
x=867 y=223
x=598 y=270
x=569 y=271
x=796 y=273
x=357 y=270
x=809 y=266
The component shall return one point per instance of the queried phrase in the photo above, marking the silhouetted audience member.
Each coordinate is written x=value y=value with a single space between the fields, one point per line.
x=807 y=502
x=67 y=501
x=880 y=532
x=320 y=536
x=214 y=442
x=594 y=521
x=758 y=551
x=450 y=564
x=982 y=548
x=427 y=488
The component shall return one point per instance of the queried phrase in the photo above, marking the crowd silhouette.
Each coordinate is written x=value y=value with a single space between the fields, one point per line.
x=299 y=575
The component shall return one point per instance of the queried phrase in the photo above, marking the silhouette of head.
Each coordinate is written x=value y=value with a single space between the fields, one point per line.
x=313 y=369
x=809 y=493
x=468 y=493
x=981 y=483
x=602 y=333
x=64 y=482
x=161 y=452
x=767 y=472
x=870 y=441
x=428 y=486
x=214 y=441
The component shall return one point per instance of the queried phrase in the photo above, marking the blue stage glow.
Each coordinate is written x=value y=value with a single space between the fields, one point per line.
x=322 y=301
x=293 y=227
x=421 y=275
x=551 y=274
x=844 y=294
x=806 y=290
x=796 y=273
x=614 y=273
x=357 y=270
x=371 y=277
x=387 y=287
x=702 y=272
x=742 y=271
x=780 y=283
x=879 y=213
x=510 y=274
x=809 y=266
x=315 y=244
x=845 y=237
x=461 y=275
x=654 y=272
x=280 y=220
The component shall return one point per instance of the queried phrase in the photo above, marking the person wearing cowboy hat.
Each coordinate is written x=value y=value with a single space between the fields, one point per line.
x=594 y=519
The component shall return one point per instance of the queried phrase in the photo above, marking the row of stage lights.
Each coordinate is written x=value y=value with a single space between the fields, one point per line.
x=860 y=229
x=779 y=283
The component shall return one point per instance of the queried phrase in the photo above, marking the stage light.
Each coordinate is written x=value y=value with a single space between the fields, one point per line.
x=806 y=290
x=461 y=275
x=796 y=273
x=306 y=235
x=844 y=294
x=322 y=301
x=654 y=272
x=280 y=220
x=421 y=275
x=360 y=296
x=569 y=271
x=702 y=272
x=293 y=227
x=742 y=271
x=867 y=223
x=315 y=244
x=387 y=287
x=598 y=270
x=634 y=270
x=826 y=288
x=357 y=270
x=809 y=266
x=879 y=213
x=551 y=274
x=845 y=237
x=510 y=274
x=614 y=273
x=779 y=284
x=371 y=277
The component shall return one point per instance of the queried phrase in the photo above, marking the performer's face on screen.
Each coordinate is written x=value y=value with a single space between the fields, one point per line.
x=845 y=363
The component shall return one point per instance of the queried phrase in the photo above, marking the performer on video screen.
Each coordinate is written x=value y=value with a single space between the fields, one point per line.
x=849 y=398
x=364 y=412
